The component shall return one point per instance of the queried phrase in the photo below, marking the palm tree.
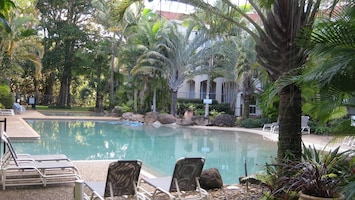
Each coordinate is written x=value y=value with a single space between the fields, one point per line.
x=332 y=45
x=115 y=24
x=176 y=57
x=141 y=38
x=20 y=45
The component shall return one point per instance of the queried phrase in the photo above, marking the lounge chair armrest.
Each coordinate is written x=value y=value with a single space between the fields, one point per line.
x=96 y=195
x=161 y=190
x=144 y=192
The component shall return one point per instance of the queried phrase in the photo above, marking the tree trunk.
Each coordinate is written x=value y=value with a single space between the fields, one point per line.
x=99 y=103
x=64 y=92
x=99 y=96
x=173 y=110
x=246 y=108
x=289 y=145
x=61 y=102
x=135 y=100
x=48 y=90
x=112 y=80
x=154 y=109
x=68 y=105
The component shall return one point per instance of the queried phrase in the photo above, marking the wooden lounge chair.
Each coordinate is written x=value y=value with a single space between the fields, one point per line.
x=38 y=158
x=122 y=181
x=184 y=184
x=20 y=172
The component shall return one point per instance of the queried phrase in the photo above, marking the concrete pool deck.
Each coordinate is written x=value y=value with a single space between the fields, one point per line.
x=96 y=170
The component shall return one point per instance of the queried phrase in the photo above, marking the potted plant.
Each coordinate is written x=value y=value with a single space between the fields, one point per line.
x=319 y=175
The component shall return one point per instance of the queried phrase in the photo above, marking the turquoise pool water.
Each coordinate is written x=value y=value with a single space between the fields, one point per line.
x=158 y=148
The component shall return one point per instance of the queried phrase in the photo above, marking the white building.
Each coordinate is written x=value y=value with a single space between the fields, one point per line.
x=220 y=88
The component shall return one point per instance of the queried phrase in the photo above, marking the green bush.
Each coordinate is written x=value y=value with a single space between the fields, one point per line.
x=344 y=128
x=222 y=108
x=318 y=128
x=7 y=99
x=199 y=108
x=333 y=127
x=252 y=122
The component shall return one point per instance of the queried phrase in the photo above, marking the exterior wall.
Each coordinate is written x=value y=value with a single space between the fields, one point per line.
x=195 y=88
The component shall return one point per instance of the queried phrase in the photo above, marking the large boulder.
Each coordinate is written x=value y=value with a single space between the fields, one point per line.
x=151 y=117
x=184 y=122
x=199 y=120
x=224 y=120
x=211 y=179
x=133 y=117
x=166 y=119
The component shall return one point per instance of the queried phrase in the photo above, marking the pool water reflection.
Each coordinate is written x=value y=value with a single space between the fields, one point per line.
x=158 y=148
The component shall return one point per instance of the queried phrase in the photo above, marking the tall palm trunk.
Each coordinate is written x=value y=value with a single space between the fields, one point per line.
x=173 y=108
x=290 y=110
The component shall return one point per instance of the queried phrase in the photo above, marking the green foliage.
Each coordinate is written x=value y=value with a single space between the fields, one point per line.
x=319 y=128
x=270 y=105
x=4 y=90
x=199 y=108
x=126 y=107
x=252 y=122
x=214 y=113
x=333 y=127
x=320 y=173
x=6 y=97
x=327 y=174
x=344 y=128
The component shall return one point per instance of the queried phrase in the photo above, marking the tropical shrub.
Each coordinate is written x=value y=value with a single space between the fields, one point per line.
x=319 y=173
x=7 y=99
x=252 y=122
x=333 y=127
x=344 y=128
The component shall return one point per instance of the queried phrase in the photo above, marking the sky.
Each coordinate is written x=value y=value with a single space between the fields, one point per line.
x=173 y=6
x=170 y=6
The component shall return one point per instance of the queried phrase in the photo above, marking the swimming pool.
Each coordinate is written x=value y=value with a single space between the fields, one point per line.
x=158 y=148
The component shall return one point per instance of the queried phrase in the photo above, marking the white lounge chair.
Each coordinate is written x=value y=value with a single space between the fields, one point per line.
x=6 y=112
x=29 y=157
x=269 y=126
x=304 y=124
x=20 y=172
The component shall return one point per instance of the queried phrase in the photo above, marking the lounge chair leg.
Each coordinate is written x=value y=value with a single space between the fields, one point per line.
x=79 y=190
